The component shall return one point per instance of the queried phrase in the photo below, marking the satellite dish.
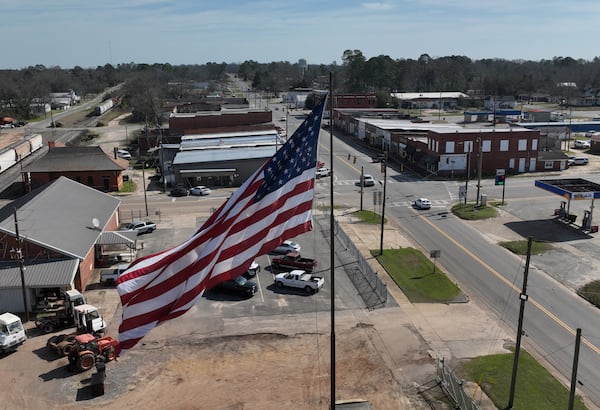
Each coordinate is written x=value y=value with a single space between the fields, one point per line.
x=95 y=223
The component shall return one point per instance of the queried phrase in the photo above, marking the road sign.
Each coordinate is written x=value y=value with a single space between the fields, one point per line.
x=500 y=179
x=462 y=191
x=500 y=172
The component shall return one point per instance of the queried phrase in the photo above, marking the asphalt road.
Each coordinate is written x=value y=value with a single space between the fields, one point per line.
x=488 y=272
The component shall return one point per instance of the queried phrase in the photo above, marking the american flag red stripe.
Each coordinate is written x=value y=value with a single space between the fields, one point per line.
x=273 y=205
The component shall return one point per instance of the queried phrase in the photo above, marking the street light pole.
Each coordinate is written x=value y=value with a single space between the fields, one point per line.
x=479 y=164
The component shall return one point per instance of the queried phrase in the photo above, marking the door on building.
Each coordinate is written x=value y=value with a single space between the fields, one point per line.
x=532 y=165
x=521 y=164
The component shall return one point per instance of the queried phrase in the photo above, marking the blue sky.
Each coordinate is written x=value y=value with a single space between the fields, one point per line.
x=67 y=33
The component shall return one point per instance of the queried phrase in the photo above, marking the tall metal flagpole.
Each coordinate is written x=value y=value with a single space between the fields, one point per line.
x=331 y=241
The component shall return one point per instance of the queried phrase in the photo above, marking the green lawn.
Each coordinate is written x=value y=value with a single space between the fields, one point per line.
x=369 y=217
x=413 y=273
x=520 y=247
x=472 y=212
x=536 y=388
x=591 y=292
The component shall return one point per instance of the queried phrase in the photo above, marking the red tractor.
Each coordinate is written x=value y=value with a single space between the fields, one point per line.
x=89 y=349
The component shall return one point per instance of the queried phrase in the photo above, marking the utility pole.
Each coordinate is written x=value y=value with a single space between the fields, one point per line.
x=384 y=166
x=468 y=172
x=362 y=184
x=144 y=185
x=574 y=371
x=18 y=254
x=332 y=354
x=523 y=297
x=479 y=165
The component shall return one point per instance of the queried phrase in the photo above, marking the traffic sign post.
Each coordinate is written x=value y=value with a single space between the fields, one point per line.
x=501 y=180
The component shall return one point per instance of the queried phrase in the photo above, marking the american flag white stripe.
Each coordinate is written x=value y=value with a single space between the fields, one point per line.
x=271 y=206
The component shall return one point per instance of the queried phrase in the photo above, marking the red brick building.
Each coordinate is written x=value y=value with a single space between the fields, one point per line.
x=89 y=166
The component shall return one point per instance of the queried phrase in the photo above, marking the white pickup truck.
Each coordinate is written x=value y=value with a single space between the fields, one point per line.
x=299 y=279
x=110 y=276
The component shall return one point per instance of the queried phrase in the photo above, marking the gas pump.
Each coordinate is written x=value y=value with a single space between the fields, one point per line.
x=562 y=211
x=586 y=224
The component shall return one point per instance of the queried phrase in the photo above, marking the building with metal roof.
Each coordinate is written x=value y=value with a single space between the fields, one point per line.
x=220 y=158
x=59 y=222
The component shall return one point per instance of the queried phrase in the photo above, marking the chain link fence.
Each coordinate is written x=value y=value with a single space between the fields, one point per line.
x=370 y=287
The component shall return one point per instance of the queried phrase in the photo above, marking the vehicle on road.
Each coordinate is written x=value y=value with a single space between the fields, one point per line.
x=12 y=334
x=582 y=144
x=110 y=276
x=299 y=279
x=240 y=286
x=287 y=247
x=322 y=172
x=367 y=180
x=422 y=203
x=378 y=158
x=578 y=161
x=180 y=191
x=293 y=260
x=200 y=190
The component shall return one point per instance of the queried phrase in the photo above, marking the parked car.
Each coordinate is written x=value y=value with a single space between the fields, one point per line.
x=121 y=153
x=578 y=161
x=322 y=172
x=200 y=190
x=582 y=144
x=110 y=276
x=367 y=180
x=141 y=227
x=253 y=269
x=293 y=260
x=180 y=191
x=240 y=286
x=287 y=247
x=299 y=279
x=422 y=203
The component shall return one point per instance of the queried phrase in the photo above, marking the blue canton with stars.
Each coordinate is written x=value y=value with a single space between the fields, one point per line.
x=297 y=155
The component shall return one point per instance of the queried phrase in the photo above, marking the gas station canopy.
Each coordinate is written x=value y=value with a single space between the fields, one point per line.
x=571 y=189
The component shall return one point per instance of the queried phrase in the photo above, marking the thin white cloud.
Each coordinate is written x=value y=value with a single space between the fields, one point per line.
x=378 y=6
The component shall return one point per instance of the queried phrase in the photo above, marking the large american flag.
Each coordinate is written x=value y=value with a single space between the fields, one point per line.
x=273 y=205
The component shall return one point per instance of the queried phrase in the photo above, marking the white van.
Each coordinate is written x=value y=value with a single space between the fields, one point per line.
x=12 y=333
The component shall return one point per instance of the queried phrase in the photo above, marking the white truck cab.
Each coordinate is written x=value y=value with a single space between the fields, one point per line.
x=12 y=333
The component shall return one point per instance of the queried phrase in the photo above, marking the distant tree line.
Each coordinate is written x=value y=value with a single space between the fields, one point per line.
x=148 y=86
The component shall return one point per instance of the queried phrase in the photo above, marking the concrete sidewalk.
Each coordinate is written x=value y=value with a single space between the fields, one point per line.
x=450 y=331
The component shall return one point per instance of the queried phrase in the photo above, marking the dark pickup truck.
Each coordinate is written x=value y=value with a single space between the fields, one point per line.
x=293 y=260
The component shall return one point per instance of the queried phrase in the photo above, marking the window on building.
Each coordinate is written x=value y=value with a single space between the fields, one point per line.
x=468 y=146
x=534 y=144
x=548 y=164
x=522 y=145
x=90 y=180
x=449 y=147
x=503 y=145
x=487 y=146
